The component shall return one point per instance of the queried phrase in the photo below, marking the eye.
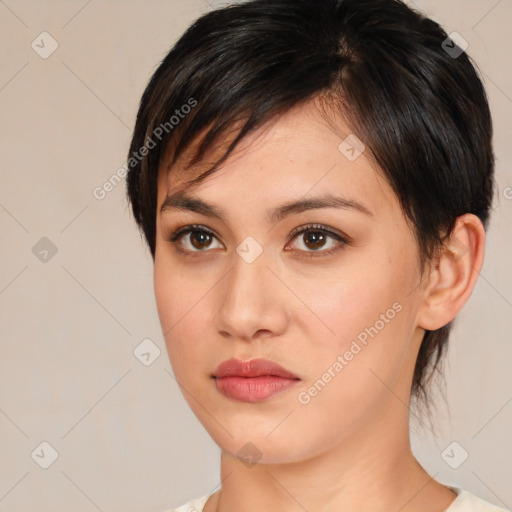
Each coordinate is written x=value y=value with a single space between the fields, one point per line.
x=199 y=238
x=314 y=236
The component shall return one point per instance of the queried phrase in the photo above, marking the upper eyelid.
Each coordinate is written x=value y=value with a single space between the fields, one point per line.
x=319 y=227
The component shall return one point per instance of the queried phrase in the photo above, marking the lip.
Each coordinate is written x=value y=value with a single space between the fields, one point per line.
x=252 y=381
x=252 y=368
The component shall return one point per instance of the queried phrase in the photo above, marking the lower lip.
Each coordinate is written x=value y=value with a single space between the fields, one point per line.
x=253 y=389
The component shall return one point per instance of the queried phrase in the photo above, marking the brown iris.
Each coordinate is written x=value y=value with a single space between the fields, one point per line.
x=202 y=237
x=316 y=238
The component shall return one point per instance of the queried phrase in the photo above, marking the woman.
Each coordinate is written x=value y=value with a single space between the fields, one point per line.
x=313 y=179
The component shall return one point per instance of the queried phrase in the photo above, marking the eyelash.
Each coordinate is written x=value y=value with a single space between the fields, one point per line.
x=317 y=228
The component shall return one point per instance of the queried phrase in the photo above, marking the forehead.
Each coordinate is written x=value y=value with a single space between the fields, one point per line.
x=317 y=109
x=301 y=152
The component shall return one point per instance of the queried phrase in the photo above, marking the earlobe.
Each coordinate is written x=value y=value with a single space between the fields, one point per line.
x=455 y=274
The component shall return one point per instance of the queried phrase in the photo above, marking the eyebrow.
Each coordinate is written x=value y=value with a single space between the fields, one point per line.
x=181 y=201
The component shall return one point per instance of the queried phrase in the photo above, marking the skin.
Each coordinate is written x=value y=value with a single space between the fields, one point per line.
x=348 y=448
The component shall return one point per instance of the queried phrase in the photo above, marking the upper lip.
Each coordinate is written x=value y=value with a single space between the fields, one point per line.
x=252 y=368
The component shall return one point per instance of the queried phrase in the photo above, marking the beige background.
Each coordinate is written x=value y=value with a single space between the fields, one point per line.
x=125 y=438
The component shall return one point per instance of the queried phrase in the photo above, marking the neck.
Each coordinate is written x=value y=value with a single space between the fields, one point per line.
x=367 y=471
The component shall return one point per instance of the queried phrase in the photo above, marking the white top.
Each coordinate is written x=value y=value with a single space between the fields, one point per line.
x=464 y=502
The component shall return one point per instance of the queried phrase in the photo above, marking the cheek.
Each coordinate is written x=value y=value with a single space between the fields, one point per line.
x=359 y=302
x=178 y=304
x=177 y=294
x=372 y=332
x=165 y=287
x=369 y=312
x=351 y=374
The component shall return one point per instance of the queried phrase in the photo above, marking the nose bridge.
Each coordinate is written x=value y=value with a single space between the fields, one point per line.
x=249 y=300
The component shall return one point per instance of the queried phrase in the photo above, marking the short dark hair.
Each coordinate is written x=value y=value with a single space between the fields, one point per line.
x=421 y=110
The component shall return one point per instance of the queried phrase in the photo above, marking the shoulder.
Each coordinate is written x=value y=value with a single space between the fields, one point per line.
x=195 y=505
x=467 y=502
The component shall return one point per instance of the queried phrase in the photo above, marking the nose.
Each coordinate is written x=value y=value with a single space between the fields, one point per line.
x=252 y=301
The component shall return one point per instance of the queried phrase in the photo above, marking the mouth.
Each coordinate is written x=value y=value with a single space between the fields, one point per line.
x=252 y=381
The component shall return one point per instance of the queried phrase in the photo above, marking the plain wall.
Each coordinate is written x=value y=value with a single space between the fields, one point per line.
x=70 y=321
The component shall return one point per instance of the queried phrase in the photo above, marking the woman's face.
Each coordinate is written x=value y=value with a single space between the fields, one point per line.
x=342 y=316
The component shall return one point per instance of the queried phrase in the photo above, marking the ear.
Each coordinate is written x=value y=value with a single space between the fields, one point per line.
x=453 y=277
